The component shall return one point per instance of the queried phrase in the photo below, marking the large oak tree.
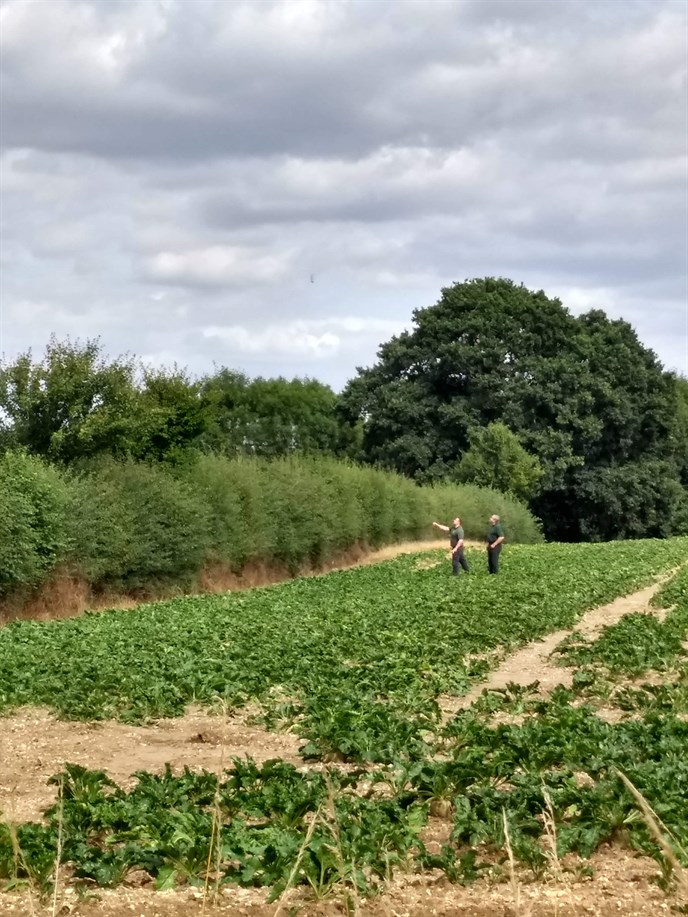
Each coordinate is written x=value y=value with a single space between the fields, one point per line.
x=582 y=394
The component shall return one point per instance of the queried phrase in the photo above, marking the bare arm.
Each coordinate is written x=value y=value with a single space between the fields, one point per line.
x=442 y=528
x=457 y=547
x=497 y=542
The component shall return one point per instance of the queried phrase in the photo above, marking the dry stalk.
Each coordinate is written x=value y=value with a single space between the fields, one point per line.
x=297 y=861
x=513 y=881
x=58 y=856
x=550 y=826
x=19 y=860
x=334 y=827
x=660 y=832
x=215 y=832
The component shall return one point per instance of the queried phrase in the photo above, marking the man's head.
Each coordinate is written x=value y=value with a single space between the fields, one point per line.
x=494 y=520
x=457 y=522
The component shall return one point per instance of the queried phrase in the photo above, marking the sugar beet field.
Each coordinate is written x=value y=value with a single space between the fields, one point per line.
x=422 y=760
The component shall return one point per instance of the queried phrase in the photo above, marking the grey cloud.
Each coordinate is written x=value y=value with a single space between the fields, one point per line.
x=173 y=167
x=237 y=80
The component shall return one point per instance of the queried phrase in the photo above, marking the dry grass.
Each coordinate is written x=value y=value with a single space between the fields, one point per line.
x=297 y=863
x=661 y=834
x=513 y=879
x=20 y=861
x=58 y=854
x=215 y=845
x=65 y=596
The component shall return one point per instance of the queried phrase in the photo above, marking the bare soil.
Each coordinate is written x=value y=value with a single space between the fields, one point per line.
x=35 y=745
x=621 y=885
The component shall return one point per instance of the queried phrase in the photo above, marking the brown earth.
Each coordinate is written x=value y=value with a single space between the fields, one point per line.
x=621 y=885
x=35 y=745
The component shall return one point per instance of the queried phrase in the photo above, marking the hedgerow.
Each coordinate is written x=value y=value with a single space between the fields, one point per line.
x=129 y=525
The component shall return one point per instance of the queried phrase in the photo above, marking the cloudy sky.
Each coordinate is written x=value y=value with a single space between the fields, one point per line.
x=176 y=173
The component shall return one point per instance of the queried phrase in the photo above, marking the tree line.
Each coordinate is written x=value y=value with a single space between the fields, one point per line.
x=495 y=384
x=75 y=405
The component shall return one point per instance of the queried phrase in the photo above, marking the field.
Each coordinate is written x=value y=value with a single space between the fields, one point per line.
x=381 y=740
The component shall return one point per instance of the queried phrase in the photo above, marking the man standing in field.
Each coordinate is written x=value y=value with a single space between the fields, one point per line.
x=495 y=539
x=457 y=543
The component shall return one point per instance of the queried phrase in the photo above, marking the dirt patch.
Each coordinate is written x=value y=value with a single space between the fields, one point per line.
x=532 y=662
x=621 y=884
x=66 y=596
x=34 y=746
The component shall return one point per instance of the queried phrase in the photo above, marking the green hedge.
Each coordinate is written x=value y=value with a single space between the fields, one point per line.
x=131 y=526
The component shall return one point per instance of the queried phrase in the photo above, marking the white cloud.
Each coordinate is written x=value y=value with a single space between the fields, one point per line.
x=317 y=339
x=219 y=265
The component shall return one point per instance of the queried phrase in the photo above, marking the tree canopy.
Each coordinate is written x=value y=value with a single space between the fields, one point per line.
x=271 y=417
x=72 y=404
x=581 y=394
x=497 y=459
x=75 y=404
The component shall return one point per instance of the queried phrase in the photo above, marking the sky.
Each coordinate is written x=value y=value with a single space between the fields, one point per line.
x=276 y=186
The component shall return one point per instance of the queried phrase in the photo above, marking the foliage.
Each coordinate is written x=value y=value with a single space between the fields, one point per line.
x=132 y=526
x=33 y=520
x=629 y=501
x=552 y=749
x=273 y=417
x=72 y=405
x=165 y=827
x=362 y=653
x=176 y=415
x=76 y=404
x=497 y=459
x=681 y=428
x=639 y=642
x=581 y=394
x=350 y=651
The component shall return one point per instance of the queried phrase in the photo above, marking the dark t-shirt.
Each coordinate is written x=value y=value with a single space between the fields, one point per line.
x=494 y=532
x=455 y=536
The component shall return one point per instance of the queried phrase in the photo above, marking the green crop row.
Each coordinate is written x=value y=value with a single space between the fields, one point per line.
x=263 y=826
x=358 y=658
x=136 y=526
x=362 y=654
x=639 y=642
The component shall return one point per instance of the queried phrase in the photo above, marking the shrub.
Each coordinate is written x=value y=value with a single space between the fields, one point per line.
x=33 y=520
x=133 y=525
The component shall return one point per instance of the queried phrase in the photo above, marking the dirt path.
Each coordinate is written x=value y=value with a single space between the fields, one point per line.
x=533 y=663
x=34 y=745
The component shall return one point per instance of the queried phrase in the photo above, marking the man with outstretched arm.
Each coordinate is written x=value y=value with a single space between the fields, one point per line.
x=495 y=539
x=456 y=541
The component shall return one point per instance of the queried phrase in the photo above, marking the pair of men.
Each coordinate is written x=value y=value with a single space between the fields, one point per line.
x=495 y=539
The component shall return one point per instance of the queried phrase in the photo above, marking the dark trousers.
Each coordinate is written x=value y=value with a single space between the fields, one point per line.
x=493 y=559
x=458 y=560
